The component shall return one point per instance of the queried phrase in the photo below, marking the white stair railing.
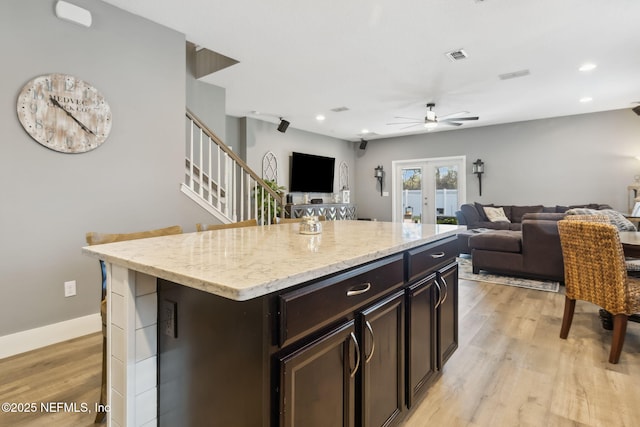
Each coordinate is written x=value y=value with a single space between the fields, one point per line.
x=222 y=183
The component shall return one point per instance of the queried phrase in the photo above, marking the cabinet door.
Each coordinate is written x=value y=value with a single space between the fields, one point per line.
x=382 y=381
x=317 y=381
x=447 y=313
x=421 y=335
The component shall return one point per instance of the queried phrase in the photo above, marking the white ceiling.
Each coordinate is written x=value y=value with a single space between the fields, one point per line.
x=386 y=58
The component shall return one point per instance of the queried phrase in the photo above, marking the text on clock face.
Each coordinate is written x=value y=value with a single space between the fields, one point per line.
x=64 y=114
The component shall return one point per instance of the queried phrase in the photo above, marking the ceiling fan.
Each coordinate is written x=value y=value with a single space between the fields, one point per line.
x=431 y=121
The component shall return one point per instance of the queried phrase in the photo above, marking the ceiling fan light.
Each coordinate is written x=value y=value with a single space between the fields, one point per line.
x=431 y=125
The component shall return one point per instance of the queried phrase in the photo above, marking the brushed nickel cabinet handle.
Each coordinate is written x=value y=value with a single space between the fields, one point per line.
x=446 y=289
x=435 y=282
x=437 y=255
x=373 y=342
x=357 y=347
x=360 y=289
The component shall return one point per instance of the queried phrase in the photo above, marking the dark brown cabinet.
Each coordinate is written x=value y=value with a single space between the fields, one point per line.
x=317 y=382
x=382 y=374
x=421 y=335
x=432 y=315
x=352 y=349
x=447 y=313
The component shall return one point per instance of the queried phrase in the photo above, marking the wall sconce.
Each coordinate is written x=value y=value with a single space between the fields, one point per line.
x=478 y=169
x=282 y=127
x=379 y=175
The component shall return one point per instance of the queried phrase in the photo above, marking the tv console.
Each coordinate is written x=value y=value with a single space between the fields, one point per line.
x=331 y=211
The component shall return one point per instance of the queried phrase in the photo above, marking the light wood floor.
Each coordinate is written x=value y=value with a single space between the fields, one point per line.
x=511 y=369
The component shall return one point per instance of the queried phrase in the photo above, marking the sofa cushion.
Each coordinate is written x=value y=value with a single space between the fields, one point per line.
x=549 y=216
x=480 y=209
x=615 y=217
x=497 y=240
x=518 y=211
x=495 y=214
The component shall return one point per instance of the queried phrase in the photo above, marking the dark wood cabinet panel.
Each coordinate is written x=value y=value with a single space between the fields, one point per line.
x=382 y=376
x=421 y=335
x=427 y=258
x=448 y=313
x=327 y=301
x=317 y=382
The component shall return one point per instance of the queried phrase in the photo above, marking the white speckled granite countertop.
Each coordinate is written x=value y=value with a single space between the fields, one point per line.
x=249 y=262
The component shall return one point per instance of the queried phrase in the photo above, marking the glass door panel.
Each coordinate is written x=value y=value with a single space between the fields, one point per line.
x=412 y=194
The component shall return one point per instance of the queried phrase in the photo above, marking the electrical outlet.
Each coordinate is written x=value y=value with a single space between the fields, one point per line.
x=169 y=318
x=70 y=288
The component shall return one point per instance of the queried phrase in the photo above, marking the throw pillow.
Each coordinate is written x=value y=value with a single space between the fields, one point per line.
x=615 y=217
x=495 y=214
x=480 y=209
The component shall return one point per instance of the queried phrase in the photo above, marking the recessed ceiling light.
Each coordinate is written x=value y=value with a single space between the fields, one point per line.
x=587 y=67
x=586 y=99
x=320 y=117
x=364 y=131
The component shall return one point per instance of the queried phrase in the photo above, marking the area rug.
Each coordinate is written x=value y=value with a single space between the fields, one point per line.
x=465 y=272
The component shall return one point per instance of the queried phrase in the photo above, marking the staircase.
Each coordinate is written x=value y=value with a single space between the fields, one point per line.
x=222 y=183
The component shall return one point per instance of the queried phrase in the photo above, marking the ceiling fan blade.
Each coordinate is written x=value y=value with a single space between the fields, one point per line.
x=457 y=119
x=450 y=123
x=409 y=118
x=446 y=116
x=410 y=126
x=406 y=123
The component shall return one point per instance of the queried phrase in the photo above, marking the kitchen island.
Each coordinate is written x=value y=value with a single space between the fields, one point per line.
x=263 y=326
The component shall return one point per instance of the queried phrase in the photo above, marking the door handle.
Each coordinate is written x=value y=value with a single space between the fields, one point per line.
x=357 y=347
x=373 y=342
x=446 y=289
x=435 y=282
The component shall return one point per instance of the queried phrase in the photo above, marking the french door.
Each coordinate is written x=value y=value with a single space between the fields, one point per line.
x=428 y=191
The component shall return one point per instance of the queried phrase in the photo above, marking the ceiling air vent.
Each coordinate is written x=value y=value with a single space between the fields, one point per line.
x=456 y=55
x=514 y=75
x=339 y=109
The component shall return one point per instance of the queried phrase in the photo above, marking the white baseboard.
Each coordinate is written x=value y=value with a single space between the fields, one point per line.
x=31 y=339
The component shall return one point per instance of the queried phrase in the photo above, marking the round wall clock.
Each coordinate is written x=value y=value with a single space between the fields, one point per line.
x=64 y=113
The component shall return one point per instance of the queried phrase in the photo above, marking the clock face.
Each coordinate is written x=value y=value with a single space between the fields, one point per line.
x=64 y=113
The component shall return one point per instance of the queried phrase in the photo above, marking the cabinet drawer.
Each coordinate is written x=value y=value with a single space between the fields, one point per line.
x=321 y=303
x=427 y=258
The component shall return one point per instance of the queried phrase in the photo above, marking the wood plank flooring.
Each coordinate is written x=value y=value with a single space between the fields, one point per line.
x=511 y=369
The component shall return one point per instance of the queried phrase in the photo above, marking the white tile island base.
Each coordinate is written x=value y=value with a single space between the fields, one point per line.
x=131 y=348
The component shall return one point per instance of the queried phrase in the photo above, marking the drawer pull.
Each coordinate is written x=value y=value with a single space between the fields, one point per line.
x=357 y=348
x=437 y=255
x=373 y=342
x=360 y=289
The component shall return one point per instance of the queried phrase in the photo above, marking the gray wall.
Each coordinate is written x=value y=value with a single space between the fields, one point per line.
x=262 y=136
x=566 y=160
x=50 y=200
x=206 y=101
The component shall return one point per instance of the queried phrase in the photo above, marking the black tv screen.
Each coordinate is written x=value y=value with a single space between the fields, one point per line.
x=311 y=174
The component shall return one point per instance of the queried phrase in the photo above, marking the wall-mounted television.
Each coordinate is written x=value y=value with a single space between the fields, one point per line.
x=311 y=173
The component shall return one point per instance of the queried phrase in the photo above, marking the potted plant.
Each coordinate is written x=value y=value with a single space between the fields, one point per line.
x=268 y=207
